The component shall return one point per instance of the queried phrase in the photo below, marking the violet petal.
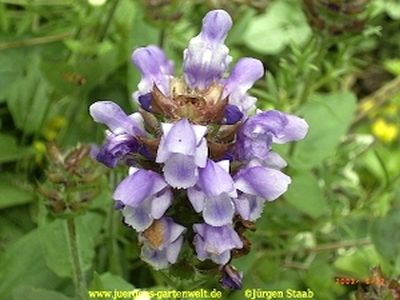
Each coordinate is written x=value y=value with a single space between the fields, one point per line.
x=206 y=58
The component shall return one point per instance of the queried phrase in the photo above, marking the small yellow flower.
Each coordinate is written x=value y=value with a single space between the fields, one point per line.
x=49 y=135
x=57 y=122
x=53 y=127
x=40 y=151
x=385 y=131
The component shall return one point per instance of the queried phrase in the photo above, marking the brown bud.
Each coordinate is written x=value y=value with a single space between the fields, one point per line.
x=56 y=177
x=214 y=113
x=74 y=158
x=217 y=151
x=50 y=194
x=162 y=104
x=55 y=155
x=151 y=123
x=227 y=133
x=57 y=207
x=242 y=225
x=244 y=250
x=151 y=144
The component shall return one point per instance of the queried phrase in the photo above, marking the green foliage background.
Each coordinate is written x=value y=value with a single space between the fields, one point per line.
x=340 y=217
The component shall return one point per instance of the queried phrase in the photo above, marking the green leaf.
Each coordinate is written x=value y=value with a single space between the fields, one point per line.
x=55 y=240
x=329 y=117
x=305 y=194
x=321 y=277
x=14 y=191
x=24 y=263
x=15 y=222
x=32 y=293
x=385 y=235
x=11 y=67
x=10 y=151
x=393 y=66
x=358 y=263
x=29 y=105
x=108 y=281
x=236 y=34
x=283 y=23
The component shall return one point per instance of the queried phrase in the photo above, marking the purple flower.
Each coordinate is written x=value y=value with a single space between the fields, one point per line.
x=183 y=149
x=258 y=133
x=188 y=127
x=155 y=69
x=231 y=278
x=206 y=58
x=162 y=243
x=146 y=197
x=232 y=114
x=116 y=148
x=256 y=185
x=213 y=193
x=121 y=139
x=243 y=75
x=215 y=243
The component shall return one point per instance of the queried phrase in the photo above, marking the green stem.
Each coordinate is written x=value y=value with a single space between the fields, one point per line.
x=161 y=38
x=114 y=262
x=103 y=31
x=35 y=41
x=307 y=87
x=79 y=280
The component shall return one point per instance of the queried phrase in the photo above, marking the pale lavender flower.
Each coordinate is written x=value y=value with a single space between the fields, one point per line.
x=206 y=58
x=195 y=140
x=162 y=243
x=213 y=193
x=155 y=68
x=123 y=130
x=145 y=195
x=258 y=184
x=241 y=79
x=215 y=243
x=231 y=278
x=183 y=149
x=257 y=134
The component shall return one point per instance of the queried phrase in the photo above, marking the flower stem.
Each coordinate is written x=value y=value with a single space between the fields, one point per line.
x=35 y=41
x=103 y=30
x=79 y=280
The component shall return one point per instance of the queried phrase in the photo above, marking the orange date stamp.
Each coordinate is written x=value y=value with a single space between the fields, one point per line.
x=379 y=281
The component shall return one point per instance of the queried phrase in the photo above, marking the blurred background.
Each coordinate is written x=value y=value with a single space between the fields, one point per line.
x=336 y=63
